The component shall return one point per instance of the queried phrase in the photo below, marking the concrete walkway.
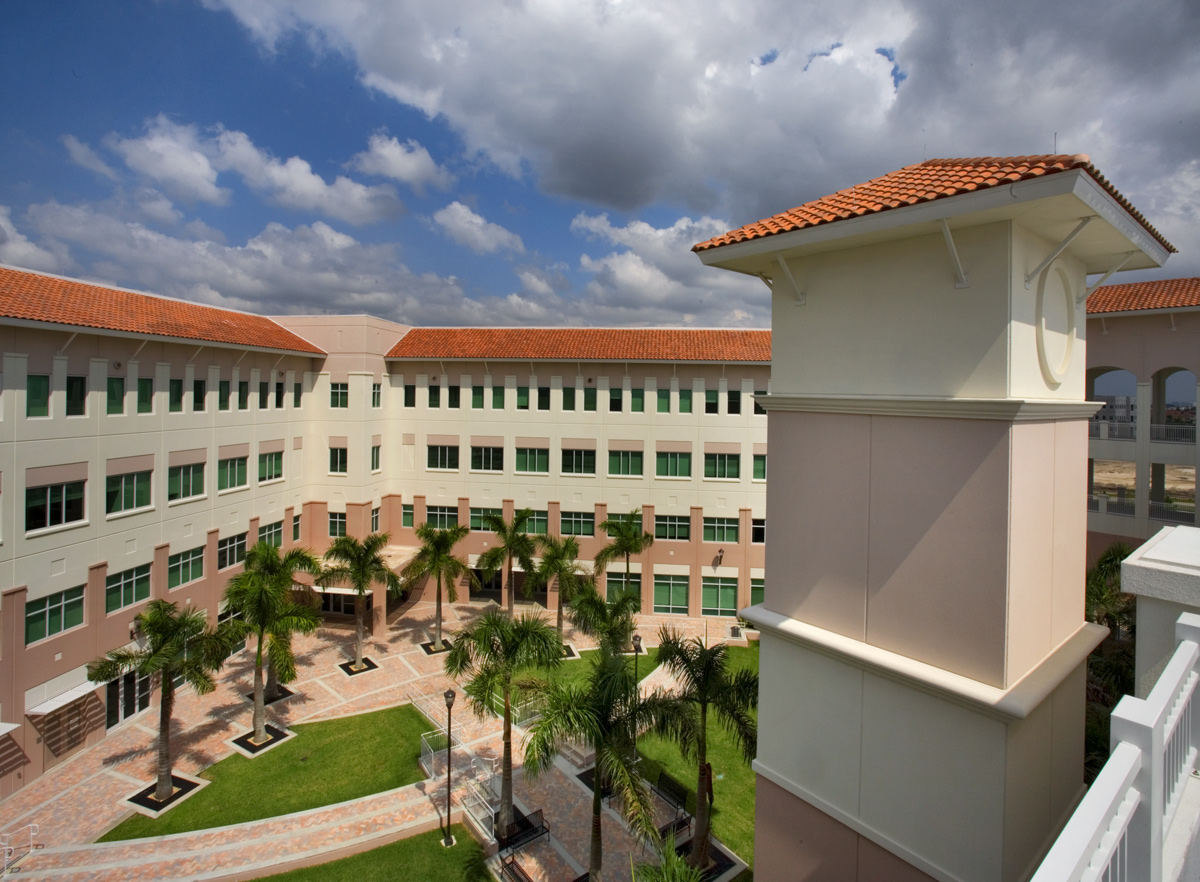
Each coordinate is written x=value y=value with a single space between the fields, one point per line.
x=78 y=801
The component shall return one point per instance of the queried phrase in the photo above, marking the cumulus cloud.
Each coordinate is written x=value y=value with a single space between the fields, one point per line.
x=408 y=162
x=173 y=156
x=85 y=157
x=471 y=230
x=17 y=250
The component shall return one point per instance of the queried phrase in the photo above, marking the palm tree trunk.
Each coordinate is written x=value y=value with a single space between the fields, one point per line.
x=358 y=623
x=699 y=853
x=260 y=707
x=163 y=790
x=272 y=689
x=560 y=616
x=509 y=583
x=506 y=770
x=596 y=859
x=437 y=616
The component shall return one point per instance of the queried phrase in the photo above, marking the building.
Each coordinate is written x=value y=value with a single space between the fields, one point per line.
x=145 y=443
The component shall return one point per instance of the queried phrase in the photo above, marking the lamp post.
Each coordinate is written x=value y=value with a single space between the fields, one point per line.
x=449 y=696
x=637 y=685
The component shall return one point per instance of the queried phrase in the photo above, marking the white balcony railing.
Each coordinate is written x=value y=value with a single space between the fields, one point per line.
x=1110 y=430
x=1120 y=828
x=1171 y=513
x=1173 y=433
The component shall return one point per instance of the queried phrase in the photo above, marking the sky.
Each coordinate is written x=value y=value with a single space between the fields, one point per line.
x=545 y=162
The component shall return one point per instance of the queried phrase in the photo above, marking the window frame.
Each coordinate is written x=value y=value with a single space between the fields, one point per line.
x=673 y=464
x=115 y=403
x=537 y=454
x=720 y=530
x=129 y=492
x=377 y=395
x=575 y=461
x=231 y=551
x=441 y=517
x=487 y=459
x=577 y=523
x=176 y=477
x=441 y=457
x=77 y=396
x=37 y=396
x=339 y=461
x=145 y=395
x=189 y=562
x=46 y=607
x=66 y=495
x=337 y=524
x=722 y=466
x=174 y=395
x=339 y=396
x=126 y=588
x=722 y=586
x=673 y=528
x=239 y=466
x=626 y=461
x=672 y=583
x=270 y=467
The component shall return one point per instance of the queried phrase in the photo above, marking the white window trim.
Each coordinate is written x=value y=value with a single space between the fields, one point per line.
x=129 y=512
x=57 y=528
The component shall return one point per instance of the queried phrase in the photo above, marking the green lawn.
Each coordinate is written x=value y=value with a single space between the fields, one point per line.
x=733 y=789
x=421 y=857
x=325 y=763
x=577 y=668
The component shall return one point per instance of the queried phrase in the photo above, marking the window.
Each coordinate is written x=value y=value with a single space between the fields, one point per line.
x=406 y=515
x=758 y=591
x=435 y=396
x=578 y=523
x=722 y=465
x=37 y=395
x=339 y=395
x=685 y=400
x=375 y=520
x=718 y=596
x=337 y=524
x=377 y=395
x=175 y=396
x=497 y=398
x=375 y=457
x=637 y=400
x=477 y=398
x=758 y=408
x=760 y=466
x=443 y=517
x=264 y=395
x=223 y=392
x=614 y=400
x=270 y=466
x=522 y=398
x=671 y=595
x=664 y=400
x=145 y=395
x=673 y=527
x=232 y=473
x=712 y=403
x=297 y=391
x=116 y=395
x=243 y=395
x=337 y=460
x=231 y=551
x=199 y=393
x=579 y=462
x=720 y=530
x=533 y=459
x=619 y=583
x=478 y=515
x=410 y=395
x=453 y=396
x=487 y=459
x=568 y=398
x=126 y=492
x=758 y=530
x=295 y=528
x=625 y=462
x=538 y=523
x=543 y=397
x=187 y=566
x=625 y=518
x=125 y=697
x=126 y=588
x=53 y=505
x=53 y=614
x=228 y=615
x=76 y=396
x=184 y=482
x=673 y=465
x=442 y=456
x=271 y=533
x=589 y=399
x=733 y=402
x=279 y=396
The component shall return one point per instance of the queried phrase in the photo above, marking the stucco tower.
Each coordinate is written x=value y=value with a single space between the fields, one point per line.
x=923 y=639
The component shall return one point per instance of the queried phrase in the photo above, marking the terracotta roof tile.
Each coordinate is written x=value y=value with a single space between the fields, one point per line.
x=924 y=182
x=587 y=344
x=1162 y=294
x=40 y=298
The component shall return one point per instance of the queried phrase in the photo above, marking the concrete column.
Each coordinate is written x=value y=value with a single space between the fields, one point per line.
x=1141 y=506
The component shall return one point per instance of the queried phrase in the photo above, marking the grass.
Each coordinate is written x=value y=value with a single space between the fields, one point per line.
x=419 y=857
x=576 y=669
x=733 y=789
x=326 y=763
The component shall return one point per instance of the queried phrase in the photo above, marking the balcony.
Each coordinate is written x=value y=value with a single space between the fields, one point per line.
x=1108 y=430
x=1120 y=506
x=1173 y=433
x=1172 y=513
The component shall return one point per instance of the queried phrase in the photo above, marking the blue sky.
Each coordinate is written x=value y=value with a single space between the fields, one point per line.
x=541 y=163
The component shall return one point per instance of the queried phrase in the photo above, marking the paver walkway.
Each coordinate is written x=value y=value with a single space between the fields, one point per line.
x=79 y=800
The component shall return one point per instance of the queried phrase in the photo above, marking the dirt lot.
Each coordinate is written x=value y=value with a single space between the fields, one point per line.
x=1111 y=474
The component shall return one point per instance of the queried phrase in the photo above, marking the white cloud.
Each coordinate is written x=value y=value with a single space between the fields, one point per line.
x=173 y=156
x=84 y=156
x=470 y=229
x=408 y=162
x=17 y=250
x=156 y=207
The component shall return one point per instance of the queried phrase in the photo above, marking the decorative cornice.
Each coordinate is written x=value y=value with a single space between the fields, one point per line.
x=1007 y=409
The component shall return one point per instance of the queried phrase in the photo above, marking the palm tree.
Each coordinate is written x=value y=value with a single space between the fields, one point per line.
x=604 y=712
x=626 y=538
x=670 y=867
x=177 y=644
x=559 y=562
x=436 y=558
x=360 y=564
x=262 y=593
x=490 y=653
x=511 y=542
x=707 y=684
x=610 y=621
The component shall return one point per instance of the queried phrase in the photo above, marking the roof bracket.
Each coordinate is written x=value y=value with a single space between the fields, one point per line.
x=70 y=340
x=1062 y=246
x=276 y=364
x=766 y=280
x=194 y=354
x=800 y=299
x=240 y=357
x=960 y=277
x=1172 y=315
x=137 y=351
x=1104 y=278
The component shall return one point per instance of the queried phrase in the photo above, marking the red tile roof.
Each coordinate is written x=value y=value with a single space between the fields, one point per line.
x=1162 y=294
x=40 y=298
x=924 y=182
x=586 y=344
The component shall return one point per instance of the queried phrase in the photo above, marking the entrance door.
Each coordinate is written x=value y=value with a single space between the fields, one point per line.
x=127 y=696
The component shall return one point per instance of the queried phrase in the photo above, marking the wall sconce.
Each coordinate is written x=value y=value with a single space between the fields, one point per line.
x=720 y=555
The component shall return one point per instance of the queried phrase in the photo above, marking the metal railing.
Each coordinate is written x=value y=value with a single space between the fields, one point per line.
x=1119 y=829
x=1111 y=430
x=1170 y=512
x=523 y=712
x=433 y=752
x=1173 y=433
x=10 y=850
x=1112 y=505
x=1093 y=503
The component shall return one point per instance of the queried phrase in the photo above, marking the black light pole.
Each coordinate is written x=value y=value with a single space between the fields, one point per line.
x=449 y=696
x=637 y=685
